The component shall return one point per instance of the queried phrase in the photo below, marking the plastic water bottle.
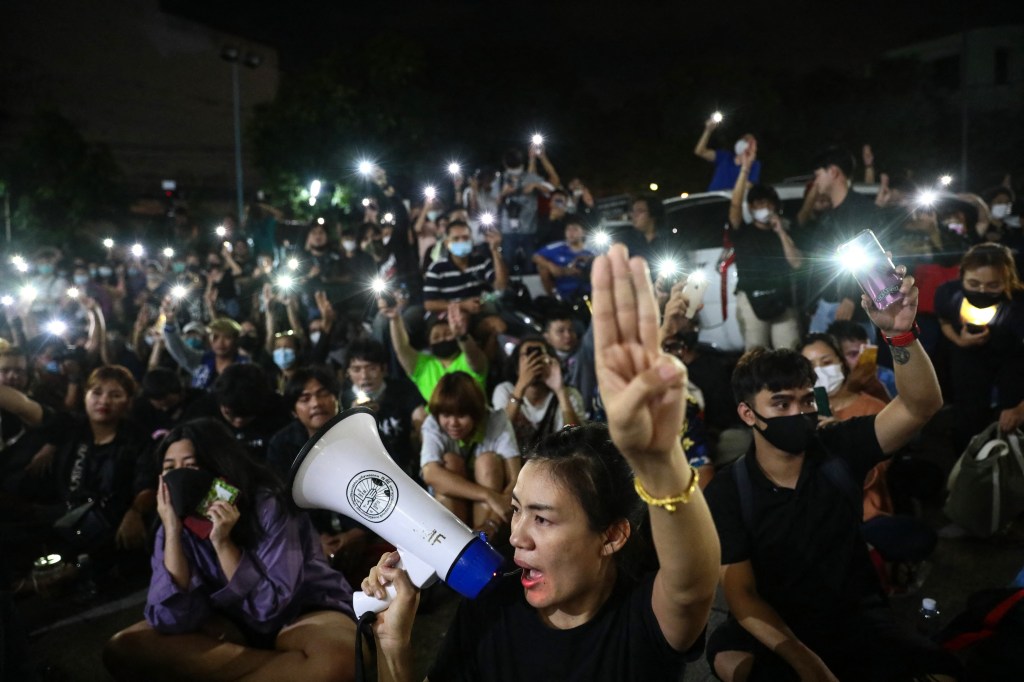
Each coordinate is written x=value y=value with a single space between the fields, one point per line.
x=928 y=618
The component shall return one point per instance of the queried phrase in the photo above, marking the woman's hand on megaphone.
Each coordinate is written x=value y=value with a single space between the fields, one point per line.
x=393 y=626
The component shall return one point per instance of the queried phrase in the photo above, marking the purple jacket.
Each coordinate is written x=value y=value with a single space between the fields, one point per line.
x=284 y=577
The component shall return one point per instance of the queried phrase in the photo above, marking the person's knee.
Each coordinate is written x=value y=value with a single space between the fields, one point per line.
x=121 y=651
x=489 y=470
x=331 y=660
x=733 y=666
x=455 y=463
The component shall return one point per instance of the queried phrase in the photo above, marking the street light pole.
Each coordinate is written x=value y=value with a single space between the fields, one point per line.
x=232 y=54
x=238 y=141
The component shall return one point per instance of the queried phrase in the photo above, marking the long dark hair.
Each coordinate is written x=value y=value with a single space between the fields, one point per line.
x=217 y=451
x=589 y=465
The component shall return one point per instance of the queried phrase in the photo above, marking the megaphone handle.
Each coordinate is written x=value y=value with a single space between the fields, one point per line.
x=364 y=603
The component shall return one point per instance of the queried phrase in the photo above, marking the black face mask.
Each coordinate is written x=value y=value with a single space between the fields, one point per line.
x=248 y=343
x=188 y=488
x=791 y=434
x=445 y=349
x=980 y=299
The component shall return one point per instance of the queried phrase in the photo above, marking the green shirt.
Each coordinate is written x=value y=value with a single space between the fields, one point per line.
x=429 y=370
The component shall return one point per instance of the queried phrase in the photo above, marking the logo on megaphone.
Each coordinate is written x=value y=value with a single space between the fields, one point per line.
x=373 y=495
x=345 y=468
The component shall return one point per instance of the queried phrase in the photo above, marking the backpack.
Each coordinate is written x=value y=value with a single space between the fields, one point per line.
x=988 y=635
x=986 y=485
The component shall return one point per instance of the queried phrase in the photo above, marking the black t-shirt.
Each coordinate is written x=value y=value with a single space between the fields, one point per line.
x=819 y=240
x=662 y=246
x=394 y=421
x=761 y=263
x=809 y=559
x=499 y=636
x=256 y=434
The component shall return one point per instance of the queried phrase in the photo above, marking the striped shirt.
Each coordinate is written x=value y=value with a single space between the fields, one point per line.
x=445 y=281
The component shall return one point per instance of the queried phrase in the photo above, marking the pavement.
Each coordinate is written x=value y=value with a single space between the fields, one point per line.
x=67 y=633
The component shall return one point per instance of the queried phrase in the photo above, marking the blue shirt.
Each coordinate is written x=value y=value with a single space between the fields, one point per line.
x=727 y=170
x=562 y=255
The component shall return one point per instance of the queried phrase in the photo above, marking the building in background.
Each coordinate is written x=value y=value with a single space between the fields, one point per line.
x=150 y=85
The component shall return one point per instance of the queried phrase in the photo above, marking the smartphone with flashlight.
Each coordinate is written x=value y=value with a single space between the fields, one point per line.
x=821 y=400
x=693 y=290
x=865 y=258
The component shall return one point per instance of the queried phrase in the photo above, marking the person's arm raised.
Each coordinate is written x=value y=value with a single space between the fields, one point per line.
x=645 y=400
x=920 y=396
x=701 y=149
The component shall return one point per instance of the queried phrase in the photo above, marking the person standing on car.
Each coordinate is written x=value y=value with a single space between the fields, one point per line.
x=766 y=259
x=727 y=166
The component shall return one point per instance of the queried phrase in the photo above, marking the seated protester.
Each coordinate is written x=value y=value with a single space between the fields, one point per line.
x=463 y=438
x=254 y=598
x=709 y=370
x=312 y=394
x=535 y=398
x=398 y=406
x=204 y=365
x=102 y=470
x=803 y=598
x=564 y=267
x=898 y=539
x=26 y=456
x=242 y=401
x=452 y=349
x=577 y=611
x=163 y=403
x=53 y=382
x=221 y=291
x=355 y=270
x=286 y=353
x=156 y=288
x=866 y=375
x=766 y=262
x=561 y=335
x=464 y=277
x=693 y=434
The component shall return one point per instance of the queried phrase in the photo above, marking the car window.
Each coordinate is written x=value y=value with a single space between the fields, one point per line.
x=699 y=223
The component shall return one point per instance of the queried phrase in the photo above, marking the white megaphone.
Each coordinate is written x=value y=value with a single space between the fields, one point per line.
x=344 y=467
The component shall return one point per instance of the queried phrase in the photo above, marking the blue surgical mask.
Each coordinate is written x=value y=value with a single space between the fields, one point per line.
x=284 y=357
x=53 y=367
x=105 y=271
x=194 y=342
x=81 y=280
x=460 y=249
x=432 y=215
x=45 y=269
x=178 y=267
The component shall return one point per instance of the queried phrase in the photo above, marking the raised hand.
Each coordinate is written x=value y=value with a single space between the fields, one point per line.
x=899 y=317
x=457 y=319
x=643 y=389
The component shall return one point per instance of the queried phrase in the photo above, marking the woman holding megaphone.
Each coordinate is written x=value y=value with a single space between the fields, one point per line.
x=240 y=588
x=571 y=611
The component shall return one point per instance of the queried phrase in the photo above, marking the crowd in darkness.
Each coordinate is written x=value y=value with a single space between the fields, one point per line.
x=228 y=351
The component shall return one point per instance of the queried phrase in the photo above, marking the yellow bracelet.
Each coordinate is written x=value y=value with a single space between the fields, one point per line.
x=669 y=503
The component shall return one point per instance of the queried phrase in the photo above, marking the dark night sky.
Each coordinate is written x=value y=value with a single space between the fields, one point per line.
x=574 y=34
x=626 y=66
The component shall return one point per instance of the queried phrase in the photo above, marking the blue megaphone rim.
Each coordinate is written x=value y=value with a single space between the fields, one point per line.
x=320 y=433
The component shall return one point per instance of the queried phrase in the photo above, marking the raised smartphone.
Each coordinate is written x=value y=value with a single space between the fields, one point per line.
x=873 y=269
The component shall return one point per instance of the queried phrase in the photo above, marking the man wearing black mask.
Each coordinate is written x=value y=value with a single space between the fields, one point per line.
x=802 y=593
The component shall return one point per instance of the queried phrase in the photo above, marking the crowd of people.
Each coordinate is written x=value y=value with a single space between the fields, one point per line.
x=580 y=430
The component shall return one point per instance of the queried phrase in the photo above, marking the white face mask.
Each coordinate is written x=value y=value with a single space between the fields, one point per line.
x=761 y=214
x=386 y=239
x=830 y=378
x=348 y=244
x=740 y=147
x=1000 y=211
x=314 y=337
